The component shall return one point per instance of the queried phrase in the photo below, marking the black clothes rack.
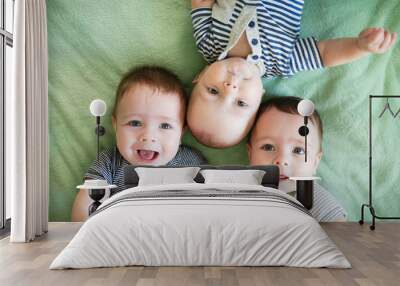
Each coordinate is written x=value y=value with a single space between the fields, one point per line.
x=369 y=205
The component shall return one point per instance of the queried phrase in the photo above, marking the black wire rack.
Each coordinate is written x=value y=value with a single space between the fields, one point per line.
x=370 y=204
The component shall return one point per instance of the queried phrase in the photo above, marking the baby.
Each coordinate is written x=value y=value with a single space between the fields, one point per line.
x=148 y=119
x=275 y=139
x=246 y=40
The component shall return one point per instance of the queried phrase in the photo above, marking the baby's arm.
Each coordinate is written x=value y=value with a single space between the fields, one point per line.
x=202 y=3
x=344 y=50
x=80 y=207
x=203 y=24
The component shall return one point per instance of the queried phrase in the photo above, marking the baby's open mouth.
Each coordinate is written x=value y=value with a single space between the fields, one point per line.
x=283 y=177
x=147 y=155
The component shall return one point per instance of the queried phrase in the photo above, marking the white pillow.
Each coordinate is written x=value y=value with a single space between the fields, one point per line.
x=248 y=177
x=162 y=176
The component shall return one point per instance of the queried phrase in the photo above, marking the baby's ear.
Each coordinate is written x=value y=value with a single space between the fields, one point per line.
x=248 y=151
x=199 y=75
x=196 y=79
x=114 y=123
x=184 y=129
x=317 y=161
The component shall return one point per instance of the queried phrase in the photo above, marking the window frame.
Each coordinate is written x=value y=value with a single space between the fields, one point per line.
x=6 y=39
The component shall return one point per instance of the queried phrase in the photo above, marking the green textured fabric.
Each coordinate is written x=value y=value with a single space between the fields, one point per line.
x=93 y=42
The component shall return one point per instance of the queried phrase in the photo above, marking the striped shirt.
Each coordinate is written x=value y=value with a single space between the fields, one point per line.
x=272 y=28
x=325 y=207
x=111 y=164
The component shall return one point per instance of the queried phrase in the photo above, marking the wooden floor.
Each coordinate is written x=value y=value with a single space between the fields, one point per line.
x=374 y=255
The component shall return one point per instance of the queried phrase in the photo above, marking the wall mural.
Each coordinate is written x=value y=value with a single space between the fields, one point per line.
x=184 y=86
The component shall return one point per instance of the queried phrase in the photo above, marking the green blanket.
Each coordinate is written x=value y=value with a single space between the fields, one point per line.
x=93 y=42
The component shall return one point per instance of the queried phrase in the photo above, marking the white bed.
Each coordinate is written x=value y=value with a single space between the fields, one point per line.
x=201 y=224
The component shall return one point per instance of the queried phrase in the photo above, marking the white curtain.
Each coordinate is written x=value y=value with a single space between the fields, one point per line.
x=27 y=124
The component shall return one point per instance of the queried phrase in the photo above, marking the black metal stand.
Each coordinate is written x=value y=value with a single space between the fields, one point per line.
x=369 y=205
x=96 y=195
x=305 y=192
x=100 y=131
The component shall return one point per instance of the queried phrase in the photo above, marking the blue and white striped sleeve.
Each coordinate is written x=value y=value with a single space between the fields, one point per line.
x=202 y=29
x=305 y=56
x=325 y=207
x=188 y=156
x=102 y=169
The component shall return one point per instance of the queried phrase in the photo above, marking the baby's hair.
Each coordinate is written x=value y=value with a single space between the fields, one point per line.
x=159 y=78
x=287 y=104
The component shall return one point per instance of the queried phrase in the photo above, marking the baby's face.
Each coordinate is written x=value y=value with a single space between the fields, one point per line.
x=148 y=125
x=224 y=102
x=276 y=140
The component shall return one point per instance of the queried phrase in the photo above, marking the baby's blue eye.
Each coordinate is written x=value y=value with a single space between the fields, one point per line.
x=268 y=147
x=241 y=103
x=298 y=151
x=135 y=123
x=165 y=126
x=212 y=91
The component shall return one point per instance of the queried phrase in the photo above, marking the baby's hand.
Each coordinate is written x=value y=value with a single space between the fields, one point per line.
x=202 y=3
x=376 y=40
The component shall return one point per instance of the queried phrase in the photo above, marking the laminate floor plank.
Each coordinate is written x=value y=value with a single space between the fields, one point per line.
x=374 y=255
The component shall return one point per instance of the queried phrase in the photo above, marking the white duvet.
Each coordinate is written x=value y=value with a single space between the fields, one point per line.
x=268 y=228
